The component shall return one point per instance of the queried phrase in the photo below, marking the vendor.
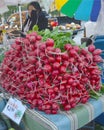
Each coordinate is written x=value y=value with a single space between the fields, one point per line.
x=35 y=17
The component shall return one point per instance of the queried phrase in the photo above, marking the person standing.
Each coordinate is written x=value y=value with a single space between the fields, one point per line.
x=35 y=17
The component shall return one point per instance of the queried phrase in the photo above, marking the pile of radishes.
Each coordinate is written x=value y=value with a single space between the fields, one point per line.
x=46 y=77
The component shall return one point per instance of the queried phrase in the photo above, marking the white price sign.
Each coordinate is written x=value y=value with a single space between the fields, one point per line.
x=14 y=109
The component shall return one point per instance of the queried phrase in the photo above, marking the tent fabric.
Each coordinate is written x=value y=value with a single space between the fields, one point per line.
x=3 y=7
x=80 y=9
x=95 y=10
x=71 y=7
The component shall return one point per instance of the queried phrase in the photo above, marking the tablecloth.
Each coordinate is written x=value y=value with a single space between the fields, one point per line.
x=70 y=120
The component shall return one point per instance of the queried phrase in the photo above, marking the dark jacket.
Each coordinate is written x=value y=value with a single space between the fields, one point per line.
x=37 y=19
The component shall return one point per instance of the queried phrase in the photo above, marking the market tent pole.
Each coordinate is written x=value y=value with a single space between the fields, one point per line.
x=20 y=14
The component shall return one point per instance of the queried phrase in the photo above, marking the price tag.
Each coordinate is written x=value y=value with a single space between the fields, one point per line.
x=14 y=110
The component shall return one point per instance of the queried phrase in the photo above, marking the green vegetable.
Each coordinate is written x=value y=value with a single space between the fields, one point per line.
x=60 y=38
x=102 y=89
x=1 y=54
x=35 y=28
x=95 y=94
x=83 y=45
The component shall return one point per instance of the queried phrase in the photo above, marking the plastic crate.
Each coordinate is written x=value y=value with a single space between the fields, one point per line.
x=99 y=37
x=99 y=44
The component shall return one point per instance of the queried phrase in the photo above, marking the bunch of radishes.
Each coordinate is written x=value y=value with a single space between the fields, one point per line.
x=46 y=77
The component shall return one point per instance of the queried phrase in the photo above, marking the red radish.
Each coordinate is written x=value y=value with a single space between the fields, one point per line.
x=62 y=87
x=33 y=34
x=56 y=89
x=84 y=52
x=48 y=111
x=67 y=76
x=50 y=91
x=71 y=60
x=18 y=42
x=76 y=48
x=55 y=72
x=48 y=106
x=32 y=39
x=51 y=59
x=97 y=59
x=57 y=50
x=65 y=56
x=67 y=47
x=54 y=111
x=72 y=52
x=56 y=81
x=55 y=106
x=50 y=42
x=39 y=101
x=56 y=65
x=47 y=68
x=68 y=86
x=88 y=57
x=40 y=108
x=98 y=88
x=91 y=48
x=70 y=81
x=38 y=38
x=50 y=49
x=67 y=107
x=58 y=58
x=34 y=102
x=84 y=100
x=73 y=105
x=62 y=69
x=66 y=63
x=97 y=52
x=43 y=47
x=48 y=78
x=59 y=78
x=28 y=36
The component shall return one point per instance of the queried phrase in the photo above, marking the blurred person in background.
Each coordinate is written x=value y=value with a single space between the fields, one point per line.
x=35 y=17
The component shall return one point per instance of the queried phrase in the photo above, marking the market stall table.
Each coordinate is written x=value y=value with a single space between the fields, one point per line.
x=70 y=120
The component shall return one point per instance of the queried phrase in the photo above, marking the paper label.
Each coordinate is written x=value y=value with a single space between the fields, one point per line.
x=14 y=110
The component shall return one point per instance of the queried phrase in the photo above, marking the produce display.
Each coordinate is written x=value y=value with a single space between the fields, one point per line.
x=60 y=39
x=14 y=20
x=71 y=26
x=54 y=24
x=47 y=77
